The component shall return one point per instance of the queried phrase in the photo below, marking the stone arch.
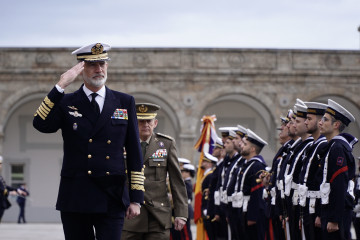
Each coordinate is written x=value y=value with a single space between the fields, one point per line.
x=257 y=117
x=15 y=100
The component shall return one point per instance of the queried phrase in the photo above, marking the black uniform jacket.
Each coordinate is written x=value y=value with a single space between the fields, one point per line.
x=93 y=175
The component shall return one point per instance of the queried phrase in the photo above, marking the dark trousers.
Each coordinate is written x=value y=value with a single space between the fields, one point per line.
x=337 y=235
x=21 y=217
x=275 y=229
x=210 y=228
x=1 y=213
x=87 y=226
x=356 y=223
x=311 y=232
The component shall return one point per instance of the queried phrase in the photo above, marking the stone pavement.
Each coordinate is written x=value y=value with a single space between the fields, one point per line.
x=31 y=231
x=38 y=231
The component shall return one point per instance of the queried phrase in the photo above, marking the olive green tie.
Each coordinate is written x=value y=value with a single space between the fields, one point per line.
x=143 y=148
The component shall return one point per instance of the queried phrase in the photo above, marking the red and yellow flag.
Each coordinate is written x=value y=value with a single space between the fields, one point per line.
x=204 y=144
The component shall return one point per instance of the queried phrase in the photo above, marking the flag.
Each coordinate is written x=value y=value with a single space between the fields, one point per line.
x=204 y=144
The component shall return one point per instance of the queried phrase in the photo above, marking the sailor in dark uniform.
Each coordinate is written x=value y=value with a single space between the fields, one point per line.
x=220 y=194
x=292 y=172
x=231 y=212
x=208 y=207
x=97 y=124
x=275 y=230
x=338 y=171
x=188 y=173
x=309 y=184
x=250 y=194
x=356 y=215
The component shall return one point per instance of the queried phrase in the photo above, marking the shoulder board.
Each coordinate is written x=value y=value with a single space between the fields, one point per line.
x=165 y=136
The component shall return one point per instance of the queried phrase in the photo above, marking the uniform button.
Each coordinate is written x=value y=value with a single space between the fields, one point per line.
x=144 y=202
x=89 y=172
x=107 y=173
x=89 y=156
x=158 y=164
x=162 y=204
x=108 y=141
x=107 y=157
x=90 y=140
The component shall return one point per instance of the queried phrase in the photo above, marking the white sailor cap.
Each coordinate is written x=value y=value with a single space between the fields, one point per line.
x=301 y=110
x=210 y=158
x=339 y=112
x=255 y=139
x=232 y=134
x=241 y=131
x=300 y=102
x=184 y=160
x=95 y=52
x=316 y=108
x=189 y=167
x=218 y=143
x=225 y=131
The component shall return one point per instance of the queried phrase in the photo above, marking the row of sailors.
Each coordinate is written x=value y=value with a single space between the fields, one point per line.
x=307 y=193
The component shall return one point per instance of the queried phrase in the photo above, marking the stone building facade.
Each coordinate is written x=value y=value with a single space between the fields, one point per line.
x=251 y=87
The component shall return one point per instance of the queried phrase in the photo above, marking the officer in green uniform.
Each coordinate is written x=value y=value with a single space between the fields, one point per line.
x=160 y=160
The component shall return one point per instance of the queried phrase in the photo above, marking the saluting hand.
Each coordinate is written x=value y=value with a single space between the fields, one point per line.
x=70 y=75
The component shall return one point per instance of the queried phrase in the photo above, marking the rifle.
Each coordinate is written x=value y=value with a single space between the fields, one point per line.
x=286 y=227
x=302 y=223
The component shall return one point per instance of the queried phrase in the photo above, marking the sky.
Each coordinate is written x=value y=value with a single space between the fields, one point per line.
x=267 y=24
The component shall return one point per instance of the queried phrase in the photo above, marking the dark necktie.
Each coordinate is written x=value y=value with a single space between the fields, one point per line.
x=143 y=148
x=94 y=104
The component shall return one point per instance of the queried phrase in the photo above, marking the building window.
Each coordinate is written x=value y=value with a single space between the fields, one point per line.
x=17 y=175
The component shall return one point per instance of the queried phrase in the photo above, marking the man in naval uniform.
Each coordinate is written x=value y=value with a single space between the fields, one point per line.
x=97 y=124
x=338 y=171
x=250 y=190
x=160 y=160
x=309 y=181
x=208 y=165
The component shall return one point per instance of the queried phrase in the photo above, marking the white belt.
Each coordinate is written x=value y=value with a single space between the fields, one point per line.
x=294 y=185
x=245 y=204
x=223 y=197
x=313 y=194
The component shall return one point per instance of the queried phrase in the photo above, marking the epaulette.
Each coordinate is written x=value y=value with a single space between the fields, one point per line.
x=165 y=136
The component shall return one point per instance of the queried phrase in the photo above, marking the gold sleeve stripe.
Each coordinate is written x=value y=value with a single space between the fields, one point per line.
x=44 y=110
x=44 y=106
x=48 y=102
x=137 y=187
x=137 y=178
x=40 y=114
x=139 y=173
x=138 y=182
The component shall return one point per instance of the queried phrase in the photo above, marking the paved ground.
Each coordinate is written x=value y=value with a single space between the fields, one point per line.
x=31 y=231
x=51 y=231
x=35 y=231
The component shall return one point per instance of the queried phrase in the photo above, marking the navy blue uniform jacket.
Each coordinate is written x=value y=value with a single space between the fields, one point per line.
x=93 y=175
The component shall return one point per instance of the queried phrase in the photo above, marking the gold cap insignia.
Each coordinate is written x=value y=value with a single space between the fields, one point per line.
x=97 y=49
x=143 y=108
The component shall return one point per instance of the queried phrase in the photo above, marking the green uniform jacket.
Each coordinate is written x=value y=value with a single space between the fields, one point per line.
x=160 y=159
